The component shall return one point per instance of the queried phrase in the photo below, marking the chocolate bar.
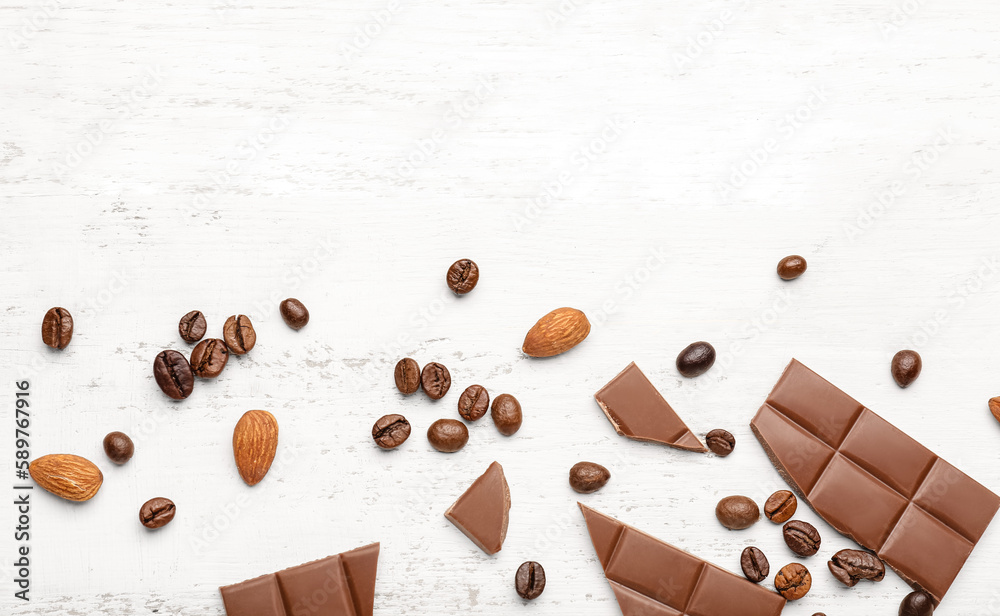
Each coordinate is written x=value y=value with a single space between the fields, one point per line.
x=653 y=578
x=482 y=511
x=872 y=482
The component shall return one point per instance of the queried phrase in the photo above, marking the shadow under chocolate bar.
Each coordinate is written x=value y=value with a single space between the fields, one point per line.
x=872 y=482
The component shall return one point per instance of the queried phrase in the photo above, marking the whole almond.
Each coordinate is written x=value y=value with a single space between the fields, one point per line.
x=995 y=407
x=67 y=476
x=557 y=332
x=255 y=441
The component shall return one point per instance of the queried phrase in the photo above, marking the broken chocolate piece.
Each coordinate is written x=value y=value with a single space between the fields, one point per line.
x=482 y=512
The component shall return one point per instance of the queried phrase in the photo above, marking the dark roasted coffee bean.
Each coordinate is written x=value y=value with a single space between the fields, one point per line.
x=852 y=566
x=906 y=366
x=57 y=328
x=192 y=326
x=791 y=267
x=720 y=442
x=209 y=357
x=755 y=565
x=529 y=580
x=917 y=603
x=294 y=313
x=407 y=375
x=391 y=431
x=436 y=380
x=588 y=477
x=793 y=581
x=463 y=275
x=780 y=506
x=157 y=512
x=239 y=334
x=119 y=447
x=506 y=413
x=448 y=435
x=819 y=614
x=696 y=359
x=173 y=374
x=737 y=512
x=474 y=402
x=801 y=537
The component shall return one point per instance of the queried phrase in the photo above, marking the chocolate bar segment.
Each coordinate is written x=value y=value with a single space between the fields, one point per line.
x=637 y=411
x=872 y=482
x=653 y=578
x=482 y=512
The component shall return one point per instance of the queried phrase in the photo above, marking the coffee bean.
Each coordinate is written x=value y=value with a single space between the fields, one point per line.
x=157 y=512
x=463 y=275
x=192 y=326
x=852 y=566
x=209 y=357
x=906 y=366
x=780 y=506
x=391 y=431
x=173 y=374
x=695 y=359
x=239 y=334
x=436 y=380
x=819 y=614
x=737 y=512
x=791 y=267
x=755 y=565
x=294 y=312
x=720 y=442
x=407 y=375
x=474 y=402
x=793 y=581
x=119 y=447
x=529 y=582
x=588 y=477
x=506 y=413
x=801 y=537
x=917 y=603
x=57 y=328
x=448 y=435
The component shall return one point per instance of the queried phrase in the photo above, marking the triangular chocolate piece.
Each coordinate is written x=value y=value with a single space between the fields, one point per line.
x=482 y=512
x=637 y=410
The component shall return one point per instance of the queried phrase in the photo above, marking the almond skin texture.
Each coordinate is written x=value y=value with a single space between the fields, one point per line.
x=67 y=476
x=995 y=407
x=557 y=332
x=255 y=440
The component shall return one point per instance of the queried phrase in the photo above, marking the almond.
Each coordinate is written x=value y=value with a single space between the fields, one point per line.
x=995 y=407
x=67 y=476
x=255 y=440
x=557 y=332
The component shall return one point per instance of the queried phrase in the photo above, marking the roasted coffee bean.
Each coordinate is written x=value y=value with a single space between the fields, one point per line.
x=463 y=275
x=737 y=512
x=529 y=582
x=173 y=374
x=57 y=328
x=506 y=413
x=801 y=537
x=791 y=267
x=917 y=603
x=391 y=431
x=852 y=566
x=157 y=512
x=448 y=435
x=239 y=334
x=755 y=565
x=696 y=359
x=819 y=614
x=294 y=312
x=793 y=581
x=119 y=447
x=906 y=366
x=192 y=327
x=588 y=477
x=407 y=375
x=209 y=357
x=780 y=506
x=436 y=380
x=474 y=402
x=720 y=442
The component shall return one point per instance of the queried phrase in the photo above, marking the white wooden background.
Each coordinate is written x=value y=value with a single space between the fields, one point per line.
x=647 y=162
